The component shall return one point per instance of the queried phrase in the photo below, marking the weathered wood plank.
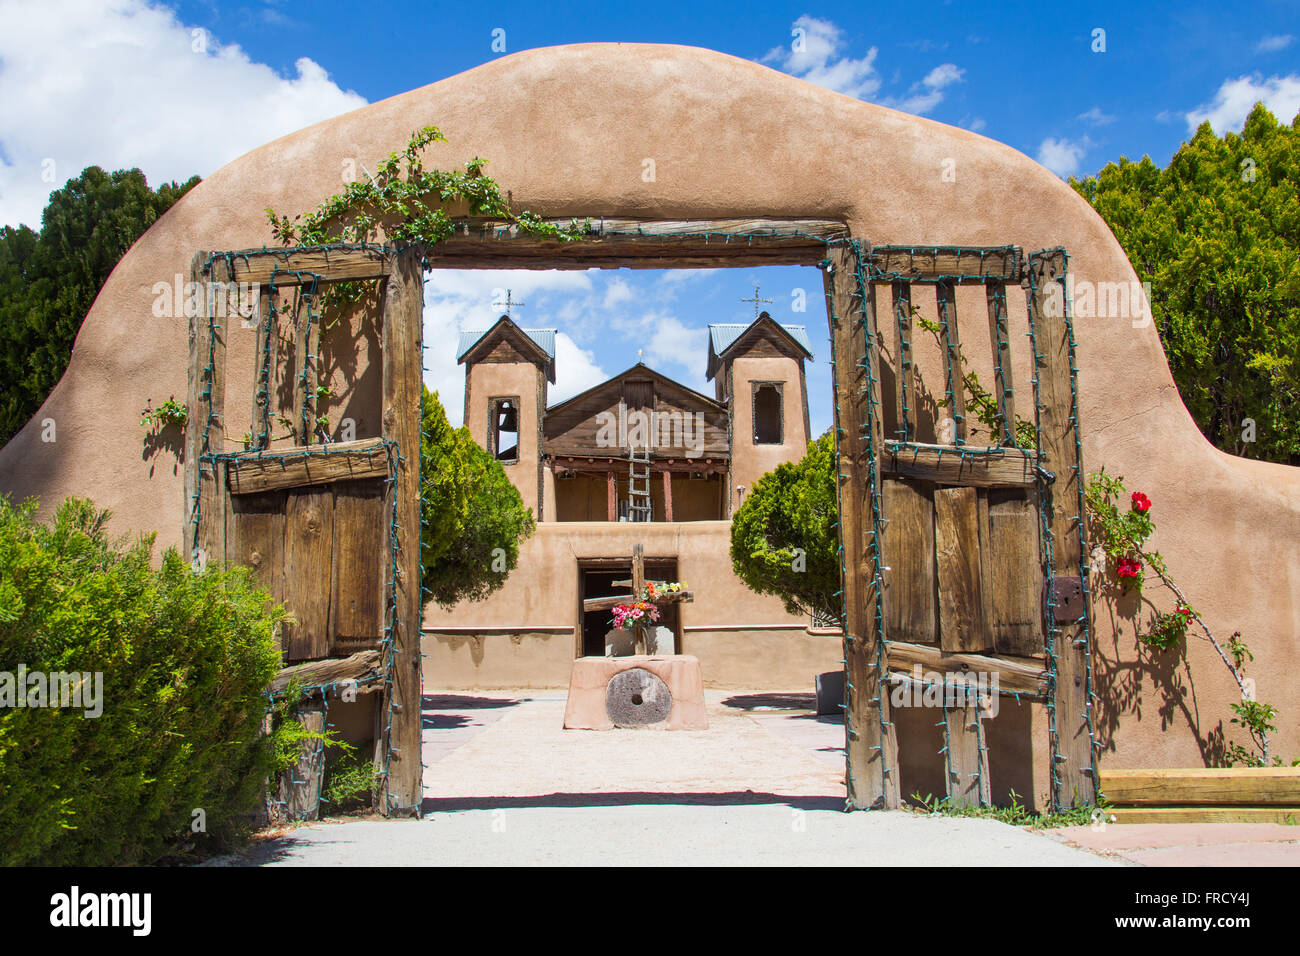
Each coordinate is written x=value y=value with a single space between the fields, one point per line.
x=1074 y=768
x=260 y=417
x=402 y=788
x=611 y=494
x=1012 y=572
x=206 y=539
x=196 y=405
x=297 y=266
x=363 y=667
x=910 y=601
x=357 y=606
x=951 y=263
x=945 y=465
x=315 y=465
x=306 y=358
x=259 y=539
x=946 y=300
x=668 y=495
x=905 y=374
x=1027 y=679
x=638 y=243
x=1289 y=816
x=957 y=565
x=308 y=537
x=871 y=751
x=1000 y=346
x=600 y=465
x=1217 y=787
x=967 y=757
x=300 y=786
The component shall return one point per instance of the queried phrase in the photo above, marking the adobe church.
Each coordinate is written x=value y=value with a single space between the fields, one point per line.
x=637 y=459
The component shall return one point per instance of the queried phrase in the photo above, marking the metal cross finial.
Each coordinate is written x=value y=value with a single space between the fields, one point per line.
x=756 y=300
x=510 y=302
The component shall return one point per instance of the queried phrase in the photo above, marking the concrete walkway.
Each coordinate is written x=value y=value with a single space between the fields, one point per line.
x=505 y=784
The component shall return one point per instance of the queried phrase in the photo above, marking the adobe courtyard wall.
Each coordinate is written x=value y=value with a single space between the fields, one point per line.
x=567 y=130
x=526 y=634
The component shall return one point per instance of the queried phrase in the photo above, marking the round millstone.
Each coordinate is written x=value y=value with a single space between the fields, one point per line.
x=636 y=697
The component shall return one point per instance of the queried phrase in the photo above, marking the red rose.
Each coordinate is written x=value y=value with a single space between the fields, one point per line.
x=1185 y=611
x=1140 y=501
x=1129 y=568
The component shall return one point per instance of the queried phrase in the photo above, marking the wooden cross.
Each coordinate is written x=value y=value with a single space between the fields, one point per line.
x=637 y=583
x=756 y=300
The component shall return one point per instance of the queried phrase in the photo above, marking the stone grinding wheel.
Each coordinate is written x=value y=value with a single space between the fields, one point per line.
x=636 y=697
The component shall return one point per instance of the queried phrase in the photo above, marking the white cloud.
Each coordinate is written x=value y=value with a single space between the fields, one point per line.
x=822 y=60
x=1096 y=117
x=673 y=343
x=927 y=94
x=1062 y=156
x=1235 y=99
x=576 y=370
x=818 y=60
x=618 y=292
x=457 y=300
x=120 y=85
x=1272 y=44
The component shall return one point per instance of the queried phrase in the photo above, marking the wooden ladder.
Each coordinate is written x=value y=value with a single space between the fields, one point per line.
x=638 y=485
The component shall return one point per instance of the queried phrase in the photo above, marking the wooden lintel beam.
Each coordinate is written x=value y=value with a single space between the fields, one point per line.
x=251 y=473
x=946 y=465
x=635 y=243
x=600 y=466
x=953 y=263
x=295 y=266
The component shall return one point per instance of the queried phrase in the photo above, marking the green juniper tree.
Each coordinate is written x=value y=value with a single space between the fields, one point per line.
x=49 y=279
x=784 y=539
x=472 y=518
x=1216 y=232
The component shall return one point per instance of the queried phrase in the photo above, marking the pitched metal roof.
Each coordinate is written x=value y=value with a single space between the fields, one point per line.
x=724 y=336
x=545 y=338
x=721 y=336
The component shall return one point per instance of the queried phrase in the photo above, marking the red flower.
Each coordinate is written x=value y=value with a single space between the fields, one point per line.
x=1140 y=501
x=1185 y=611
x=1129 y=568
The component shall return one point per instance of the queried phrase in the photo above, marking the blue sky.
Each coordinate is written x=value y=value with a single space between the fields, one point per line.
x=82 y=82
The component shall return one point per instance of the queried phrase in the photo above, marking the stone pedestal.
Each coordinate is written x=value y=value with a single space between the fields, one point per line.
x=660 y=692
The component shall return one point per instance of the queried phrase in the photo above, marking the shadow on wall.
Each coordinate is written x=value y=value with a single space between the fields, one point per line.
x=1119 y=682
x=348 y=364
x=922 y=404
x=168 y=440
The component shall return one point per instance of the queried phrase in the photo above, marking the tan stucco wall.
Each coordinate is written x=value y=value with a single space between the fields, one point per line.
x=749 y=461
x=567 y=130
x=488 y=380
x=524 y=635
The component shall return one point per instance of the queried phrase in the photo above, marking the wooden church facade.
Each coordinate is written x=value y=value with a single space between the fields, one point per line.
x=637 y=459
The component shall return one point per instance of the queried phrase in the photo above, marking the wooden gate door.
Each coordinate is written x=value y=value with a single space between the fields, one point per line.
x=959 y=557
x=331 y=529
